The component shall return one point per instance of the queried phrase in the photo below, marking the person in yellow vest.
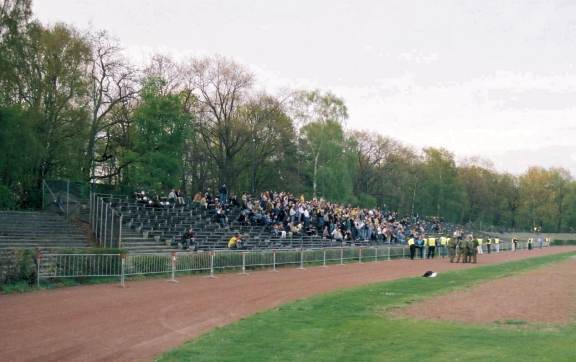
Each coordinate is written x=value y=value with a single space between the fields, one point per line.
x=489 y=245
x=479 y=247
x=443 y=244
x=497 y=244
x=412 y=247
x=431 y=243
x=233 y=242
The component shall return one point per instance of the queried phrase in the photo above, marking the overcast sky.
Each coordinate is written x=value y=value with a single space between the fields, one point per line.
x=495 y=79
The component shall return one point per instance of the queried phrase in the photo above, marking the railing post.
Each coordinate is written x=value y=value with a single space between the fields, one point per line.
x=212 y=265
x=274 y=261
x=376 y=253
x=301 y=259
x=106 y=222
x=360 y=255
x=120 y=232
x=67 y=199
x=403 y=252
x=341 y=255
x=388 y=253
x=101 y=217
x=94 y=213
x=122 y=266
x=112 y=212
x=173 y=257
x=244 y=263
x=38 y=261
x=324 y=259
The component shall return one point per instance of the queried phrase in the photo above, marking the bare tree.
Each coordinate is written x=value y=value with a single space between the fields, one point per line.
x=112 y=83
x=220 y=86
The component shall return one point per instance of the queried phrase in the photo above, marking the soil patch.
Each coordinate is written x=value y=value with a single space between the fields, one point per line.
x=106 y=322
x=546 y=295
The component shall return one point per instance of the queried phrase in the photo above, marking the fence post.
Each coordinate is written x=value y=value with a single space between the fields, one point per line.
x=112 y=212
x=95 y=218
x=173 y=278
x=106 y=222
x=101 y=217
x=67 y=199
x=341 y=255
x=376 y=253
x=301 y=259
x=212 y=265
x=403 y=252
x=38 y=261
x=120 y=233
x=388 y=253
x=324 y=259
x=122 y=266
x=360 y=255
x=244 y=263
x=274 y=261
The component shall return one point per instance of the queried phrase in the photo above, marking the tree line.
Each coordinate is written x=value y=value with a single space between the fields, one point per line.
x=73 y=106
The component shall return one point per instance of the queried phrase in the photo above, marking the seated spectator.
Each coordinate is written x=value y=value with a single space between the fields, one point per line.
x=180 y=197
x=233 y=242
x=189 y=239
x=172 y=197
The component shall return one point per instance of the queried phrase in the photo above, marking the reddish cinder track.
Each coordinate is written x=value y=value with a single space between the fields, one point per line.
x=106 y=322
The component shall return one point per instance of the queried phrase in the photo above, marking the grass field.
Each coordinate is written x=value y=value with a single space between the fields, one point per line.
x=351 y=325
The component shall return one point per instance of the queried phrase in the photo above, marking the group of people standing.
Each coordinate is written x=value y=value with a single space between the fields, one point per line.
x=457 y=248
x=466 y=249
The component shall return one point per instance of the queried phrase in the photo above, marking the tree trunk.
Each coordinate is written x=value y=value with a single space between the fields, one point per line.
x=315 y=178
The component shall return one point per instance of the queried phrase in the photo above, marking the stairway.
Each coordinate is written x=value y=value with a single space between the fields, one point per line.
x=35 y=229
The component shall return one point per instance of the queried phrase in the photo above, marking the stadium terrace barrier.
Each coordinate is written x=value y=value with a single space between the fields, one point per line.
x=55 y=266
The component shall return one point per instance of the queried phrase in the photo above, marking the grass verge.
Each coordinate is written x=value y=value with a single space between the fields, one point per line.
x=350 y=325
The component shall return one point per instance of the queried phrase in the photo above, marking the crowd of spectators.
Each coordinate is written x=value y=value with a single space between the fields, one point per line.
x=289 y=216
x=175 y=198
x=286 y=216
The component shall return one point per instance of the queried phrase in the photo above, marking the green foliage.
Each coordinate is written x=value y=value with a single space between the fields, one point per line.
x=7 y=201
x=353 y=325
x=160 y=131
x=20 y=267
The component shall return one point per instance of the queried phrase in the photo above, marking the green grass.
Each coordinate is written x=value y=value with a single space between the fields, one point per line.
x=352 y=325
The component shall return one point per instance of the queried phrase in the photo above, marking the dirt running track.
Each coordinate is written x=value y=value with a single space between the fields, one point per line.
x=106 y=322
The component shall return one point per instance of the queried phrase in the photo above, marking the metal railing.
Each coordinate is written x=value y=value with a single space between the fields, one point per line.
x=105 y=221
x=54 y=266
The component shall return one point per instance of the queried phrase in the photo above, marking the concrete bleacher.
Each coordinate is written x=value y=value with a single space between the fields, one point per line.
x=35 y=229
x=150 y=229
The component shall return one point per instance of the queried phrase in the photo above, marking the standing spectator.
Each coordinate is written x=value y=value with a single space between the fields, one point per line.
x=431 y=243
x=223 y=194
x=497 y=244
x=479 y=247
x=452 y=248
x=412 y=246
x=420 y=246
